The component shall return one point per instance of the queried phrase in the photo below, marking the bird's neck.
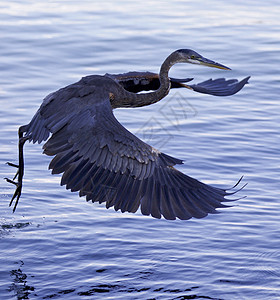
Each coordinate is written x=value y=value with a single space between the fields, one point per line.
x=128 y=99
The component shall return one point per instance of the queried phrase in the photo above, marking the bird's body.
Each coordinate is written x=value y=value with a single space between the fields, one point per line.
x=104 y=161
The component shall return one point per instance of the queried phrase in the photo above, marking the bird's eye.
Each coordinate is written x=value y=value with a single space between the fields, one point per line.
x=192 y=56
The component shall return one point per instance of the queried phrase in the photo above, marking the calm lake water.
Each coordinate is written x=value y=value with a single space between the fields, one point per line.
x=58 y=246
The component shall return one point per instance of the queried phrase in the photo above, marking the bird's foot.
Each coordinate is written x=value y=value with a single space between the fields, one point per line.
x=16 y=175
x=18 y=185
x=20 y=167
x=17 y=192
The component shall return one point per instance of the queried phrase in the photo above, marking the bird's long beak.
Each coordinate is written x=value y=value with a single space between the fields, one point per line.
x=209 y=63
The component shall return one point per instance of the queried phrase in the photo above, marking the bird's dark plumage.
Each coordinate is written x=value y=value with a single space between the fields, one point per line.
x=105 y=162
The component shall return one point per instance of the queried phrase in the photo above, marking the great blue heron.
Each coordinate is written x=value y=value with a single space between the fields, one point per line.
x=104 y=161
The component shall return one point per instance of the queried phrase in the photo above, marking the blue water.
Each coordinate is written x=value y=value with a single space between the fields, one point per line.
x=58 y=246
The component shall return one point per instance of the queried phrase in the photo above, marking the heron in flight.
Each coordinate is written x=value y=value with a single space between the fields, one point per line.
x=104 y=161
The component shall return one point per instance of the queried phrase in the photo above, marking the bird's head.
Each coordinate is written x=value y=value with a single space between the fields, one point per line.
x=190 y=56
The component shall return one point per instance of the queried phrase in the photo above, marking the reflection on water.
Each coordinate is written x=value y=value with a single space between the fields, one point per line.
x=58 y=246
x=19 y=286
x=17 y=225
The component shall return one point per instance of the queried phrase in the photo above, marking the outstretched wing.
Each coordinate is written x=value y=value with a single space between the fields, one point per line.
x=145 y=81
x=220 y=86
x=106 y=163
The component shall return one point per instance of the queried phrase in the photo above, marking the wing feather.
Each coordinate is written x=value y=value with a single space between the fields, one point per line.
x=220 y=86
x=106 y=163
x=155 y=200
x=166 y=206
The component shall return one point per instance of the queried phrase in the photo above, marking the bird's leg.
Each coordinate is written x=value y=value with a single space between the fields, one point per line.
x=20 y=166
